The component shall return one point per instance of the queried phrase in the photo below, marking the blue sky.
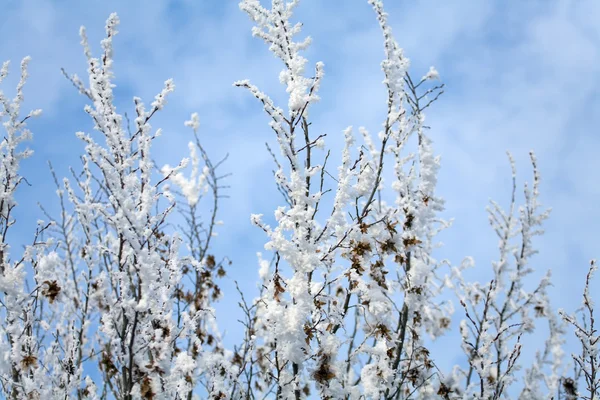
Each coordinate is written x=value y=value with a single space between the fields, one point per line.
x=519 y=75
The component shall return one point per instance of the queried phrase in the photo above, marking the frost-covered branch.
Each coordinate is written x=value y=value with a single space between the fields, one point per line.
x=587 y=363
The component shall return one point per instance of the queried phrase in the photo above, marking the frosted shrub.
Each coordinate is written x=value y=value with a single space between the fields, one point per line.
x=108 y=301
